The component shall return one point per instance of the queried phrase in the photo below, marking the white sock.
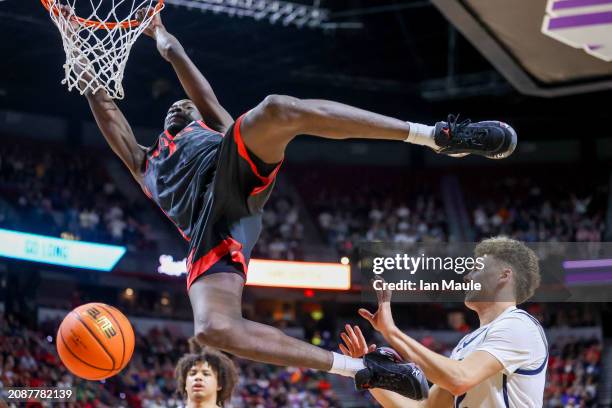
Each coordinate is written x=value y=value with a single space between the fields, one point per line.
x=422 y=135
x=345 y=365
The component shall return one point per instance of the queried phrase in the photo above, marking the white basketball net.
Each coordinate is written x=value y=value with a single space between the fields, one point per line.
x=97 y=50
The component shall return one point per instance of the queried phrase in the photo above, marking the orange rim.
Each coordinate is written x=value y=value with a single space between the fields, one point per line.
x=99 y=24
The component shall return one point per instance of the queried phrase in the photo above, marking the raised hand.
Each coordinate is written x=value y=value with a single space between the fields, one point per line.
x=156 y=22
x=69 y=23
x=355 y=344
x=382 y=320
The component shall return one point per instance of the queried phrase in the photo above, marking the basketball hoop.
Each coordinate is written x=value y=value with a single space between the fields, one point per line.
x=97 y=46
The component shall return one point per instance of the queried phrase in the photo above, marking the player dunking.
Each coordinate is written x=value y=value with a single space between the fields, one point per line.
x=501 y=364
x=211 y=175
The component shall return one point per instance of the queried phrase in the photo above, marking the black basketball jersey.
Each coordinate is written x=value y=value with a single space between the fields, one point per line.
x=179 y=171
x=213 y=189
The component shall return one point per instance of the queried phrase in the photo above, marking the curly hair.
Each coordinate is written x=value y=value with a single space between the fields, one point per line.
x=522 y=260
x=221 y=365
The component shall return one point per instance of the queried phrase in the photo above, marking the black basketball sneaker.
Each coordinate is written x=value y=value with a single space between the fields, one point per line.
x=492 y=139
x=384 y=369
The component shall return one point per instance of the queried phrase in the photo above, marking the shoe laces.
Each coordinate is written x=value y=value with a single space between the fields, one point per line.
x=472 y=135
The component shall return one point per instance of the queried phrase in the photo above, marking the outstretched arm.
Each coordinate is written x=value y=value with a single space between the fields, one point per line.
x=195 y=85
x=457 y=377
x=110 y=120
x=356 y=346
x=117 y=132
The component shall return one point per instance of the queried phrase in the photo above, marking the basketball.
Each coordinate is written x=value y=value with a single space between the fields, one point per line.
x=95 y=341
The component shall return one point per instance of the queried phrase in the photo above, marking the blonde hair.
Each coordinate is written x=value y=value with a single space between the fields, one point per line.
x=520 y=258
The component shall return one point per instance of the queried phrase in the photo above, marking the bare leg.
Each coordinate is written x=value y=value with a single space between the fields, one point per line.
x=216 y=302
x=269 y=127
x=216 y=299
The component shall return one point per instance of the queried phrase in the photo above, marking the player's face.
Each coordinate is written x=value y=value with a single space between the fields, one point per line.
x=180 y=114
x=201 y=383
x=488 y=277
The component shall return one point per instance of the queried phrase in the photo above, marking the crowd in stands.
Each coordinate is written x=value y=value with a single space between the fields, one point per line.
x=28 y=358
x=573 y=373
x=262 y=385
x=66 y=194
x=350 y=207
x=283 y=232
x=345 y=222
x=539 y=209
x=565 y=314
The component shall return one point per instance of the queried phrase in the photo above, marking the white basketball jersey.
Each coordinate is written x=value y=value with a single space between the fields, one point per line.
x=517 y=340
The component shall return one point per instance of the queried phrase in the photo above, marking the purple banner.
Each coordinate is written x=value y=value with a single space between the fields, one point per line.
x=580 y=20
x=567 y=4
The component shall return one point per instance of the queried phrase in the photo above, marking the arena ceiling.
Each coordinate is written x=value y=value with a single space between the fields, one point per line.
x=398 y=57
x=543 y=47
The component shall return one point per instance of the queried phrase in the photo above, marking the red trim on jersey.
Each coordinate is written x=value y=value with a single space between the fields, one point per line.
x=169 y=143
x=271 y=177
x=205 y=126
x=172 y=147
x=244 y=153
x=227 y=246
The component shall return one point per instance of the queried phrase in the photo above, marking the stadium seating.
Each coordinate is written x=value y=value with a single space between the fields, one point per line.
x=573 y=373
x=148 y=381
x=66 y=193
x=28 y=358
x=378 y=205
x=81 y=201
x=539 y=205
x=283 y=232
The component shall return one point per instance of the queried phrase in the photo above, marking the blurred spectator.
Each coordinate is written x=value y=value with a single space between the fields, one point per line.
x=456 y=321
x=28 y=358
x=66 y=194
x=283 y=233
x=537 y=210
x=573 y=372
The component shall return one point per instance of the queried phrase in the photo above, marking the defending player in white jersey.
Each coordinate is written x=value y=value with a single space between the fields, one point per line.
x=501 y=364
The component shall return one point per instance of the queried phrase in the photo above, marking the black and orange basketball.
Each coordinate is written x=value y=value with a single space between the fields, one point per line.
x=95 y=341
